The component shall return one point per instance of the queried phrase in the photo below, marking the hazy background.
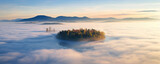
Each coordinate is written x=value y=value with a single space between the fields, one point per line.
x=12 y=9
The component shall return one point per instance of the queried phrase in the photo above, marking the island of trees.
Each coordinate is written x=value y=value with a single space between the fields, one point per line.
x=81 y=35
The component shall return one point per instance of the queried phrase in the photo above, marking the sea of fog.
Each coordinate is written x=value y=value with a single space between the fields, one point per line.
x=125 y=43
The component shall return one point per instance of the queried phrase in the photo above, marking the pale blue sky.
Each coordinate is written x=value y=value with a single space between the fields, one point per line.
x=11 y=9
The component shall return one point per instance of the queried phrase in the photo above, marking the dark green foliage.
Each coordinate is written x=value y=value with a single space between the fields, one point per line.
x=81 y=34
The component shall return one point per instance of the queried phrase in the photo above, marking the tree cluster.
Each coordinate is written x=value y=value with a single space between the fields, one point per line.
x=81 y=34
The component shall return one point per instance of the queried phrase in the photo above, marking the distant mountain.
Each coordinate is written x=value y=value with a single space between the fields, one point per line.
x=39 y=18
x=75 y=18
x=59 y=18
x=70 y=18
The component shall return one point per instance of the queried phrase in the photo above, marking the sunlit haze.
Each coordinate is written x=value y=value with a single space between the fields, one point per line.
x=12 y=9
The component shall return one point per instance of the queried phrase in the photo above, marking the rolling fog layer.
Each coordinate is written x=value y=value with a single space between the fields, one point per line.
x=125 y=43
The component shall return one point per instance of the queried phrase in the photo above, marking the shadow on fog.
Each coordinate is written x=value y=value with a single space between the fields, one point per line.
x=48 y=42
x=30 y=44
x=81 y=44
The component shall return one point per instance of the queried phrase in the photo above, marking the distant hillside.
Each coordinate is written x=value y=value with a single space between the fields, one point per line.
x=59 y=18
x=75 y=18
x=39 y=18
x=70 y=18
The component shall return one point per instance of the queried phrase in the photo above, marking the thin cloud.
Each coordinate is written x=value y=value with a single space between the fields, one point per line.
x=148 y=11
x=143 y=18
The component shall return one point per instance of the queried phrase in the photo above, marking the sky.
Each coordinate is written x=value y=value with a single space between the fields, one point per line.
x=13 y=9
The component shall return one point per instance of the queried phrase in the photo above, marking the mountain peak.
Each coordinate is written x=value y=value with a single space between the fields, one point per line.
x=42 y=16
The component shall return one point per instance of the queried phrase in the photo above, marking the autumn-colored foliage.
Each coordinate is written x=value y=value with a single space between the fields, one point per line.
x=81 y=34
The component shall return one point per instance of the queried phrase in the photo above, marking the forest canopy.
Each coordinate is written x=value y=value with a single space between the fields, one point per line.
x=81 y=34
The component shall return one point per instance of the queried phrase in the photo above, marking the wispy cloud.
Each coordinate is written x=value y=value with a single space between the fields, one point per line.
x=2 y=43
x=55 y=56
x=148 y=11
x=144 y=18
